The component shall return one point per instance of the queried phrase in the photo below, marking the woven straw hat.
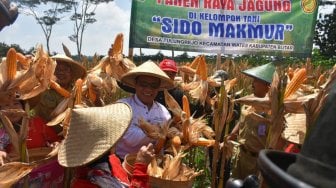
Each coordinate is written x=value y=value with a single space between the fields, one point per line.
x=148 y=68
x=92 y=132
x=263 y=72
x=295 y=130
x=78 y=70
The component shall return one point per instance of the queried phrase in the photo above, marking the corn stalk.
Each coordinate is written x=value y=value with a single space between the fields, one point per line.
x=276 y=97
x=219 y=119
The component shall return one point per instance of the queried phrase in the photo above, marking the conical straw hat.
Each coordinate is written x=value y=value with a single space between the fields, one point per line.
x=148 y=68
x=93 y=131
x=77 y=70
x=263 y=72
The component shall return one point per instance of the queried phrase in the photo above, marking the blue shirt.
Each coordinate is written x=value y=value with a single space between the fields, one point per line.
x=135 y=138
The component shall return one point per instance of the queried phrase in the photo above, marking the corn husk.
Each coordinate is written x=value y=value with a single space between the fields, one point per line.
x=12 y=172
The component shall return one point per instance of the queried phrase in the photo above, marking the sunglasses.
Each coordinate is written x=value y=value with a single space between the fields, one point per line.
x=154 y=85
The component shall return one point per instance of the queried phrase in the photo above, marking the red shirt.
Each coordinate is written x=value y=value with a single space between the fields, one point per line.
x=139 y=178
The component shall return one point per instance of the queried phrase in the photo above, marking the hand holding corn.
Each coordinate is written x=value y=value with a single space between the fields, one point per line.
x=145 y=154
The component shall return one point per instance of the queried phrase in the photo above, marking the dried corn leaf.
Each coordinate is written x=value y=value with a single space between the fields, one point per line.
x=12 y=172
x=11 y=131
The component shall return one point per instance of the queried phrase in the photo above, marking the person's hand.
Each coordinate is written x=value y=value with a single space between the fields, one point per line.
x=232 y=136
x=145 y=154
x=3 y=158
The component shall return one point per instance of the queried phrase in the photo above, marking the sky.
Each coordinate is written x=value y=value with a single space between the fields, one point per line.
x=112 y=18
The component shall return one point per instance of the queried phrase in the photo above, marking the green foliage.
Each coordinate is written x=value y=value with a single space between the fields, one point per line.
x=197 y=158
x=4 y=48
x=325 y=35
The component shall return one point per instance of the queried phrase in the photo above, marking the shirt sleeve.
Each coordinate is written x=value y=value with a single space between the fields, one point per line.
x=140 y=177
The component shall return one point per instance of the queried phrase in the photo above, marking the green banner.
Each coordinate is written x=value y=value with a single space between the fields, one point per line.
x=267 y=27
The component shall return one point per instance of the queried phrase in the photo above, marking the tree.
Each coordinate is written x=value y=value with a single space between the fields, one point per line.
x=84 y=12
x=5 y=47
x=47 y=13
x=325 y=33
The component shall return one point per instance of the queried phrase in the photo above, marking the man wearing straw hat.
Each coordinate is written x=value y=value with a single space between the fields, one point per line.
x=91 y=137
x=147 y=80
x=253 y=124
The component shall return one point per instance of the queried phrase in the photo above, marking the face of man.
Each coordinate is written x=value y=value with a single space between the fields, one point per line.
x=260 y=88
x=171 y=74
x=146 y=88
x=63 y=74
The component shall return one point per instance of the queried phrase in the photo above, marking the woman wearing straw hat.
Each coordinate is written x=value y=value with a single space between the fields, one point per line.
x=39 y=134
x=253 y=124
x=92 y=134
x=67 y=72
x=147 y=80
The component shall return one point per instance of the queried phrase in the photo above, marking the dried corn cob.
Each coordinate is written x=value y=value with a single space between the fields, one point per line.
x=160 y=143
x=230 y=84
x=152 y=131
x=186 y=107
x=204 y=142
x=321 y=79
x=298 y=78
x=11 y=64
x=185 y=127
x=54 y=85
x=195 y=62
x=78 y=95
x=22 y=59
x=202 y=69
x=91 y=92
x=117 y=45
x=187 y=70
x=290 y=73
x=176 y=143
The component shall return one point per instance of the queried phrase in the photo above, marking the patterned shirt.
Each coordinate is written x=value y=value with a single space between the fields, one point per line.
x=4 y=138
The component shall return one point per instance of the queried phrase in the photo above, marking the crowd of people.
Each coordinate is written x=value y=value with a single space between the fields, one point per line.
x=145 y=83
x=99 y=137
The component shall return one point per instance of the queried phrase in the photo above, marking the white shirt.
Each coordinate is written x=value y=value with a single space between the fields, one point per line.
x=135 y=138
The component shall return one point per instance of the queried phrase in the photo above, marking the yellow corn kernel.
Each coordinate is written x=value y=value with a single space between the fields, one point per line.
x=22 y=59
x=204 y=142
x=186 y=107
x=78 y=95
x=92 y=93
x=54 y=85
x=11 y=64
x=159 y=145
x=298 y=78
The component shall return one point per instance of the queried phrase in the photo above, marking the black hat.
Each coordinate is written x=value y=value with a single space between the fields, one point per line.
x=315 y=165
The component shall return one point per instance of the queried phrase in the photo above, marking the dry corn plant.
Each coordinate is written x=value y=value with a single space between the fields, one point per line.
x=181 y=134
x=222 y=115
x=27 y=76
x=12 y=172
x=314 y=105
x=107 y=72
x=276 y=97
x=198 y=87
